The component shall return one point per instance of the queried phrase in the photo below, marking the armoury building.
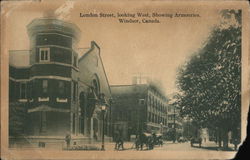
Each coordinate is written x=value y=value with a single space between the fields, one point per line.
x=140 y=107
x=63 y=93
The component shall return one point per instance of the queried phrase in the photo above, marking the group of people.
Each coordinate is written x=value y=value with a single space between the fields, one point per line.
x=142 y=139
x=148 y=140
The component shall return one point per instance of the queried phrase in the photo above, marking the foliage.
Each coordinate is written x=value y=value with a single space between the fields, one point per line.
x=210 y=83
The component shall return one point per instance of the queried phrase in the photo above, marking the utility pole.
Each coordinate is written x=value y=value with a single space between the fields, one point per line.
x=138 y=119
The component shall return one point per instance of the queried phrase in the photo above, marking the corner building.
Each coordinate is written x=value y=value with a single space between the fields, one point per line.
x=63 y=93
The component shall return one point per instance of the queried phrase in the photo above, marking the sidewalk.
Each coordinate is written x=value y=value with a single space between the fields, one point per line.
x=109 y=146
x=213 y=146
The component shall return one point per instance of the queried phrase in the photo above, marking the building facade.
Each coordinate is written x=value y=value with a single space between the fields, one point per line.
x=63 y=93
x=138 y=108
x=175 y=127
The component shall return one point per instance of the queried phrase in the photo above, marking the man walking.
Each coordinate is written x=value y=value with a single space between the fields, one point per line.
x=68 y=139
x=120 y=141
x=116 y=139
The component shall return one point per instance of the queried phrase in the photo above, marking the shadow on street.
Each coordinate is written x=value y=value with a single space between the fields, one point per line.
x=214 y=148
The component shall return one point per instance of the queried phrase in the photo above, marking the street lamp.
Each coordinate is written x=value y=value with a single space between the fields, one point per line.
x=103 y=107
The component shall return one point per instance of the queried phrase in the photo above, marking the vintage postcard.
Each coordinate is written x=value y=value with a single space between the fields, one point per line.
x=124 y=79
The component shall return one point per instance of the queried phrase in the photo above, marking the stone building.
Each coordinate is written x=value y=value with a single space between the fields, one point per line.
x=63 y=93
x=140 y=107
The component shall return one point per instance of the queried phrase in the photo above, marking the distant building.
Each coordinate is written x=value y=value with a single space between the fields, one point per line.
x=63 y=93
x=138 y=108
x=174 y=124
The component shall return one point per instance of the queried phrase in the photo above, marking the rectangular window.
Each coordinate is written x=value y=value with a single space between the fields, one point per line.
x=23 y=91
x=141 y=101
x=74 y=91
x=30 y=88
x=45 y=86
x=61 y=87
x=44 y=54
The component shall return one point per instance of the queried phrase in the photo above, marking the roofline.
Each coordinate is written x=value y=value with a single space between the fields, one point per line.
x=104 y=70
x=73 y=25
x=65 y=26
x=19 y=50
x=19 y=67
x=93 y=45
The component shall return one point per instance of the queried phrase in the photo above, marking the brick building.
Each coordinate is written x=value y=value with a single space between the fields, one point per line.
x=140 y=107
x=63 y=93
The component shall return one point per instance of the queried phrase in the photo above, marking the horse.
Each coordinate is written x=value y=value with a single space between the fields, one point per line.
x=142 y=140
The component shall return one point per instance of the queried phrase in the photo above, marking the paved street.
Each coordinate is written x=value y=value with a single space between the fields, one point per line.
x=168 y=151
x=178 y=147
x=170 y=146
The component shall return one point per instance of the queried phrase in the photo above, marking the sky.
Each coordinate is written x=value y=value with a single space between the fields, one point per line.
x=156 y=49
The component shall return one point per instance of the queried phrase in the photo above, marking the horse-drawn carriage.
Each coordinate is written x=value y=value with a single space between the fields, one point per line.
x=149 y=140
x=195 y=140
x=158 y=140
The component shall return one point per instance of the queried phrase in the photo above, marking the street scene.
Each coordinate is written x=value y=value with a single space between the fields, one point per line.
x=134 y=89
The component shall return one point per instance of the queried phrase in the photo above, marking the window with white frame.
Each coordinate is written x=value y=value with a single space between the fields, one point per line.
x=44 y=54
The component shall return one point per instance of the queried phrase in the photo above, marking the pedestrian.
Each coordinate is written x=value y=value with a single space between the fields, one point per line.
x=142 y=140
x=235 y=142
x=68 y=139
x=120 y=141
x=154 y=138
x=151 y=142
x=137 y=142
x=116 y=139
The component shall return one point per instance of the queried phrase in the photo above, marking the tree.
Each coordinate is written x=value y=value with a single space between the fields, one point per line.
x=210 y=82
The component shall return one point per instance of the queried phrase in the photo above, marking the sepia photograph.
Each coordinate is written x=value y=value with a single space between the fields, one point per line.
x=129 y=79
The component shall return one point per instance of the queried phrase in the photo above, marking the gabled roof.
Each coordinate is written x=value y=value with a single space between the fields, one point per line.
x=95 y=46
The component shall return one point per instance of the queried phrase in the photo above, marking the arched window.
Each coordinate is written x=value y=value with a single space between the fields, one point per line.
x=96 y=87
